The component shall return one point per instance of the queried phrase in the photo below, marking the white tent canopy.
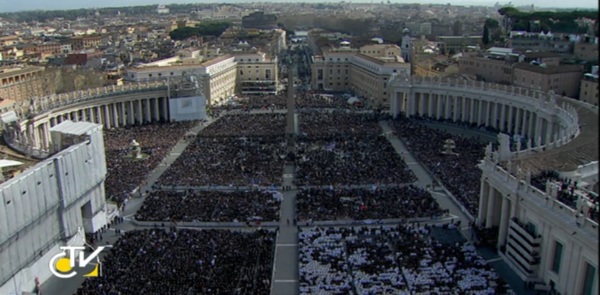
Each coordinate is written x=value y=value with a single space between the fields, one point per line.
x=353 y=100
x=9 y=163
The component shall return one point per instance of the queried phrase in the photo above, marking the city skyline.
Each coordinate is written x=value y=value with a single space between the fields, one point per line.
x=16 y=6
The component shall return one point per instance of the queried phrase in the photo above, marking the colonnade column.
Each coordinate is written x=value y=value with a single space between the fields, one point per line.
x=393 y=105
x=45 y=135
x=473 y=110
x=167 y=116
x=480 y=109
x=455 y=109
x=439 y=98
x=89 y=114
x=447 y=107
x=430 y=104
x=523 y=121
x=107 y=117
x=115 y=115
x=518 y=120
x=148 y=115
x=490 y=207
x=123 y=116
x=139 y=111
x=530 y=133
x=488 y=115
x=548 y=132
x=130 y=111
x=98 y=112
x=510 y=119
x=483 y=203
x=502 y=117
x=156 y=110
x=463 y=116
x=36 y=136
x=538 y=131
x=495 y=116
x=503 y=221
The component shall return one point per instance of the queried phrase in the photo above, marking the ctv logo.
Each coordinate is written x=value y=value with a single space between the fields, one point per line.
x=63 y=267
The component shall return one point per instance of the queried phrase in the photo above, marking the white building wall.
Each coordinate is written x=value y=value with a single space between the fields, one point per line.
x=42 y=206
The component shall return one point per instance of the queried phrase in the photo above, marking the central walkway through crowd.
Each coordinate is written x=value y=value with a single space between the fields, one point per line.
x=285 y=265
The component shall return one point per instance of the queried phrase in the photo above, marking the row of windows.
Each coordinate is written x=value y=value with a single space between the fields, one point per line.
x=589 y=271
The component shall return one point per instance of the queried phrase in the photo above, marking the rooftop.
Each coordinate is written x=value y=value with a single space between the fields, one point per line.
x=74 y=128
x=216 y=60
x=548 y=69
x=581 y=150
x=9 y=72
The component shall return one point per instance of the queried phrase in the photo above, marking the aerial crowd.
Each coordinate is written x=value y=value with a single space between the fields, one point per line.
x=346 y=168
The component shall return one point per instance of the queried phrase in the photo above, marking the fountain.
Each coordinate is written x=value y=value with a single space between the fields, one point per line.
x=135 y=151
x=448 y=148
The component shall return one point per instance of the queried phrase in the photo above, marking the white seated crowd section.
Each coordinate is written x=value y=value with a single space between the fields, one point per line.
x=403 y=259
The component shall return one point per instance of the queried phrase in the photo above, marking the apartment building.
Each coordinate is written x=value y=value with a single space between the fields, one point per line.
x=9 y=40
x=588 y=90
x=456 y=44
x=586 y=51
x=256 y=74
x=381 y=51
x=21 y=84
x=352 y=71
x=543 y=42
x=221 y=77
x=84 y=42
x=488 y=67
x=45 y=50
x=562 y=79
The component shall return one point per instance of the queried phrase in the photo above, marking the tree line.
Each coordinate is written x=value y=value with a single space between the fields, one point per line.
x=560 y=21
x=213 y=28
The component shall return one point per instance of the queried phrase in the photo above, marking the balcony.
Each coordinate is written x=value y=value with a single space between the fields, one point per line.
x=523 y=247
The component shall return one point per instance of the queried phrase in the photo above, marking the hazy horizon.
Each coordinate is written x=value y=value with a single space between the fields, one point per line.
x=15 y=6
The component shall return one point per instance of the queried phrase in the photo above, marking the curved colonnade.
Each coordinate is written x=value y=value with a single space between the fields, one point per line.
x=507 y=199
x=111 y=106
x=509 y=109
x=530 y=223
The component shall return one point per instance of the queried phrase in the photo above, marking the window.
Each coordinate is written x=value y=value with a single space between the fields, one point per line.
x=588 y=283
x=558 y=248
x=241 y=72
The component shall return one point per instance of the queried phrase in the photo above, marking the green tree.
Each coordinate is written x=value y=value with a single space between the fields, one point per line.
x=485 y=39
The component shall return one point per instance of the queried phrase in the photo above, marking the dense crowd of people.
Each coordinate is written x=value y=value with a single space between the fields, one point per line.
x=210 y=206
x=232 y=161
x=569 y=193
x=361 y=203
x=405 y=259
x=341 y=160
x=458 y=172
x=319 y=125
x=246 y=125
x=186 y=262
x=124 y=174
x=303 y=99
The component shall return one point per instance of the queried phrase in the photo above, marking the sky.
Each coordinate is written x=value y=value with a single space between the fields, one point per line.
x=12 y=5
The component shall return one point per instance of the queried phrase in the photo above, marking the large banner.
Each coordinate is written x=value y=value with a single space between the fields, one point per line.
x=187 y=108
